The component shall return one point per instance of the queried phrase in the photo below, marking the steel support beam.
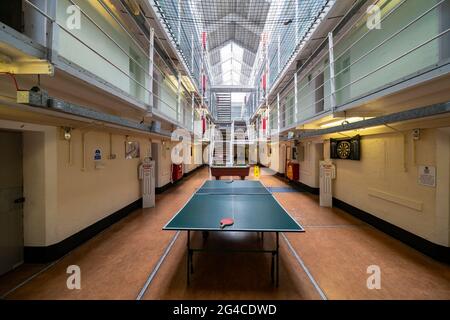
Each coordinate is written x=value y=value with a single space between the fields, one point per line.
x=151 y=52
x=278 y=112
x=332 y=77
x=178 y=97
x=295 y=99
x=76 y=110
x=418 y=113
x=52 y=32
x=231 y=88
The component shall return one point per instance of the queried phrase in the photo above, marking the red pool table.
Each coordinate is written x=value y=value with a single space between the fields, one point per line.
x=236 y=170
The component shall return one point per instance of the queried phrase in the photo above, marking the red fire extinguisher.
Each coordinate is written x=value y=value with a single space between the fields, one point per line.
x=203 y=123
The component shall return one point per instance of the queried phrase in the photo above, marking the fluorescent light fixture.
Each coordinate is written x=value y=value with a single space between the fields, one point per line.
x=342 y=122
x=187 y=83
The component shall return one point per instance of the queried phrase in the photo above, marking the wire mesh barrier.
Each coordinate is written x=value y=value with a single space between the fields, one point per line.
x=119 y=58
x=252 y=43
x=411 y=41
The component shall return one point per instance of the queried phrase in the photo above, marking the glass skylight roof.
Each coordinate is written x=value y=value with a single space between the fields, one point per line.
x=231 y=56
x=234 y=29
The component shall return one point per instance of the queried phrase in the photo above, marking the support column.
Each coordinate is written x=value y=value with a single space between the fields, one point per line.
x=192 y=111
x=278 y=54
x=253 y=106
x=296 y=23
x=150 y=66
x=192 y=54
x=179 y=22
x=52 y=32
x=332 y=77
x=295 y=99
x=232 y=143
x=442 y=225
x=178 y=97
x=202 y=69
x=278 y=112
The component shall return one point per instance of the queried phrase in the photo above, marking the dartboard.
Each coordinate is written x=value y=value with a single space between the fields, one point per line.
x=343 y=149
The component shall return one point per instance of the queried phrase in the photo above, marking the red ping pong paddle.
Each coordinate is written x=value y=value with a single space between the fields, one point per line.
x=226 y=222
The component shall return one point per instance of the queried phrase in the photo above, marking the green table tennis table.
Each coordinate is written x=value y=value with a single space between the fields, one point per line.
x=248 y=202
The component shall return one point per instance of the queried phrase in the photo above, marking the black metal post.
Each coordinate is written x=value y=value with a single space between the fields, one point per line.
x=278 y=260
x=188 y=254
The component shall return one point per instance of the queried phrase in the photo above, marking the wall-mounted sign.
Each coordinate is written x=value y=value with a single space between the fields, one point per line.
x=294 y=153
x=97 y=155
x=348 y=149
x=132 y=150
x=427 y=176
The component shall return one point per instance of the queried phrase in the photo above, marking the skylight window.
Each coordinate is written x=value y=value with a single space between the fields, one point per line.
x=231 y=56
x=238 y=97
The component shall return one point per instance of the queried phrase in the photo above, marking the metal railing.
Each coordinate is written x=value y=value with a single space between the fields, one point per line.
x=306 y=82
x=142 y=67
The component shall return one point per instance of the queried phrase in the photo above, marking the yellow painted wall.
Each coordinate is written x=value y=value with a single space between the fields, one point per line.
x=163 y=162
x=253 y=153
x=8 y=160
x=385 y=185
x=385 y=182
x=195 y=159
x=39 y=181
x=84 y=197
x=309 y=166
x=34 y=188
x=62 y=198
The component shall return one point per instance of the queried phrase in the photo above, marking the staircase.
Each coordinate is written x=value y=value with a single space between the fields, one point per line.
x=240 y=130
x=223 y=107
x=222 y=147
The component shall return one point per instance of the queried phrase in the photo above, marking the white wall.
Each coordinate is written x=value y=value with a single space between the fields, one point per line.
x=161 y=150
x=39 y=181
x=309 y=166
x=89 y=195
x=196 y=158
x=274 y=157
x=114 y=67
x=62 y=198
x=385 y=182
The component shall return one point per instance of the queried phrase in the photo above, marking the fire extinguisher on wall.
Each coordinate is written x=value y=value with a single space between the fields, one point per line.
x=203 y=122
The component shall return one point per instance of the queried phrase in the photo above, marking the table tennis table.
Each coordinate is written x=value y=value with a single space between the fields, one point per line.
x=248 y=202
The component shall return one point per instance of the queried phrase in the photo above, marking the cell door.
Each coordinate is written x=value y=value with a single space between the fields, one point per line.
x=282 y=159
x=11 y=201
x=288 y=159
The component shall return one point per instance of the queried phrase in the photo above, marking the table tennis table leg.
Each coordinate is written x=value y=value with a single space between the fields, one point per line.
x=278 y=261
x=272 y=268
x=188 y=255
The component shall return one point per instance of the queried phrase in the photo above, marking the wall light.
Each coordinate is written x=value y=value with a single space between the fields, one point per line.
x=67 y=133
x=343 y=122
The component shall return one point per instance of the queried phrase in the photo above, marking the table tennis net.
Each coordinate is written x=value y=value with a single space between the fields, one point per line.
x=233 y=191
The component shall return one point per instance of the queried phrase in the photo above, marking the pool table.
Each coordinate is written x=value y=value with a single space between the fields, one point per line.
x=236 y=170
